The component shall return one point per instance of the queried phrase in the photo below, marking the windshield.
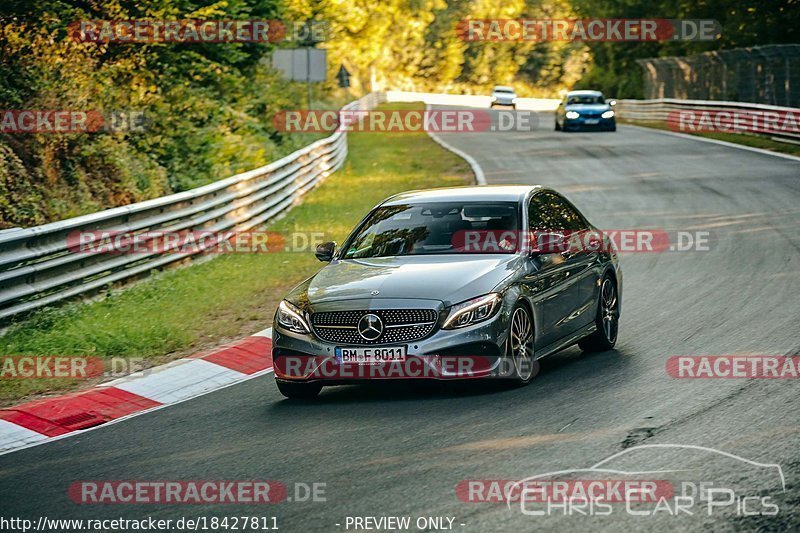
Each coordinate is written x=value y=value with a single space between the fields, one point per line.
x=504 y=90
x=429 y=228
x=586 y=99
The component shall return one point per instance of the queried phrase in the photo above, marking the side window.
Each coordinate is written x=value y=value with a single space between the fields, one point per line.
x=548 y=211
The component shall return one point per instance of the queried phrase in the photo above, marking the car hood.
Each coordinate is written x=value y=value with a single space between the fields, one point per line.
x=587 y=107
x=446 y=279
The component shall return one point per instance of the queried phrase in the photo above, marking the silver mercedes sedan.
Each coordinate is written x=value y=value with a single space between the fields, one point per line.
x=452 y=283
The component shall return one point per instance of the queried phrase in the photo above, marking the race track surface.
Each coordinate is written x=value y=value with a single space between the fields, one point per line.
x=400 y=451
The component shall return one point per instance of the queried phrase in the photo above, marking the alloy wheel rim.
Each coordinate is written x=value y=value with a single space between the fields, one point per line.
x=521 y=346
x=609 y=311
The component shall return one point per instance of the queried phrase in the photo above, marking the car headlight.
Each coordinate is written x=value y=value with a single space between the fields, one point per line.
x=291 y=318
x=608 y=114
x=573 y=114
x=472 y=311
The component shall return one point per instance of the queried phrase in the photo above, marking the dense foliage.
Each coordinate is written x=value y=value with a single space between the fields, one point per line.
x=207 y=106
x=743 y=23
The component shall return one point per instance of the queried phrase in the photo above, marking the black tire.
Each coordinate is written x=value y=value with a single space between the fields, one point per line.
x=558 y=126
x=523 y=368
x=607 y=319
x=299 y=391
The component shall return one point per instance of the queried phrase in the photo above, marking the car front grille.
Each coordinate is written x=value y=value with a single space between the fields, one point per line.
x=400 y=325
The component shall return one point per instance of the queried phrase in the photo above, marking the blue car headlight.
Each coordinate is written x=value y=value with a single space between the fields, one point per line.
x=608 y=114
x=473 y=311
x=573 y=114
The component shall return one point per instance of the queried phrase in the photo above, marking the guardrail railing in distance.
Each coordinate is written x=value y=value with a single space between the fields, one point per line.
x=710 y=115
x=38 y=267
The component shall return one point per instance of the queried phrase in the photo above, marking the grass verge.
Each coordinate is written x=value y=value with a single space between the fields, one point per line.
x=756 y=141
x=187 y=310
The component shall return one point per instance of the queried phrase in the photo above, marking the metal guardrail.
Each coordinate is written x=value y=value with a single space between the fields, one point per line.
x=775 y=121
x=38 y=267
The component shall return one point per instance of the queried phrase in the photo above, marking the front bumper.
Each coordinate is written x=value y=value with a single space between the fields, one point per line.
x=504 y=102
x=466 y=353
x=590 y=123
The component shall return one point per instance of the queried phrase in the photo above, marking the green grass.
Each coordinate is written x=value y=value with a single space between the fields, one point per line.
x=186 y=310
x=755 y=141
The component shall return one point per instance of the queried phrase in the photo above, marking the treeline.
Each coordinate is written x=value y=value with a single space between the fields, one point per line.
x=743 y=23
x=208 y=107
x=416 y=45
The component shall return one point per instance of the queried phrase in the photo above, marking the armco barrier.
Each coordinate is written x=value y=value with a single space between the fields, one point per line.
x=735 y=117
x=469 y=100
x=37 y=268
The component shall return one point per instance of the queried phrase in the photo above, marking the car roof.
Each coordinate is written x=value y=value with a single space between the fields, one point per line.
x=503 y=193
x=593 y=93
x=503 y=88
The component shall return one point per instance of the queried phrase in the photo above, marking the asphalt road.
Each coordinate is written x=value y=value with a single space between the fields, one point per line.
x=399 y=451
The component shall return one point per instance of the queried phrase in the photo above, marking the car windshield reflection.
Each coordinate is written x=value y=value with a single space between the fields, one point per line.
x=428 y=228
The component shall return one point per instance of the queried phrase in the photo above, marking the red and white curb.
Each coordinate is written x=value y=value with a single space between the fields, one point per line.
x=39 y=421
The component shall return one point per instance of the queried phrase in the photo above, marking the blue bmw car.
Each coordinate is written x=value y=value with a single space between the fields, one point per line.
x=585 y=110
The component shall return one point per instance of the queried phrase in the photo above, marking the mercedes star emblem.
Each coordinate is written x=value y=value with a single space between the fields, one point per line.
x=370 y=327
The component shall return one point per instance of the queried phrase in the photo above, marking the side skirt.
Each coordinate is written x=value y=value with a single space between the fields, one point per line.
x=566 y=342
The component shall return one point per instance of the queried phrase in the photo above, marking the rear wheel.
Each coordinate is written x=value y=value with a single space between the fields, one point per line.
x=299 y=391
x=607 y=320
x=520 y=345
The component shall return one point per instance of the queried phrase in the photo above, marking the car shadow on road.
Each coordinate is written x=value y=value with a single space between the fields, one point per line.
x=551 y=372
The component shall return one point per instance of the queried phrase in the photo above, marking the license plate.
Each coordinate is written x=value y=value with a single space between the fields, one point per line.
x=592 y=121
x=372 y=355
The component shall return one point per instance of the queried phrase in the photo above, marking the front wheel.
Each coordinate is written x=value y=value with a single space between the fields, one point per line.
x=558 y=126
x=299 y=391
x=519 y=348
x=607 y=320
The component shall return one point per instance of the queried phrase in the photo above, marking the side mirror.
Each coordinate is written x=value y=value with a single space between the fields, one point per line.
x=324 y=251
x=611 y=102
